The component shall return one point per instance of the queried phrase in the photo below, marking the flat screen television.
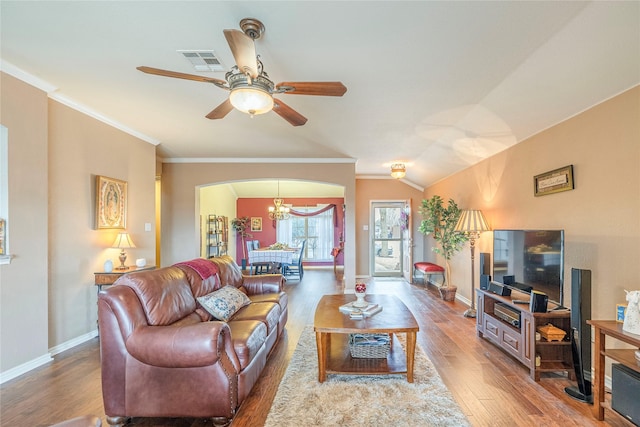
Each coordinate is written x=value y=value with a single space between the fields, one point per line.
x=529 y=260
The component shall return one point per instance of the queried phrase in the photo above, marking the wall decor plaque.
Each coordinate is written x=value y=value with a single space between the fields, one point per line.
x=553 y=181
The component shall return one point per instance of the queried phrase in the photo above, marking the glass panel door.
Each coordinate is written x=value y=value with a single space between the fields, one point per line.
x=387 y=237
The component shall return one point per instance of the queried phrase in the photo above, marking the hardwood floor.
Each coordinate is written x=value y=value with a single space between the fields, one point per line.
x=491 y=388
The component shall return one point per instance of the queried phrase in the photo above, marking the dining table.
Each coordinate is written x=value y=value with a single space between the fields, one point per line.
x=276 y=257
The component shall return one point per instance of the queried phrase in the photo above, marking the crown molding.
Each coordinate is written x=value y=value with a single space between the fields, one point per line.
x=51 y=91
x=104 y=119
x=32 y=80
x=256 y=160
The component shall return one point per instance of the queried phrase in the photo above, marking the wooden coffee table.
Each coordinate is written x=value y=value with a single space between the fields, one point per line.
x=333 y=328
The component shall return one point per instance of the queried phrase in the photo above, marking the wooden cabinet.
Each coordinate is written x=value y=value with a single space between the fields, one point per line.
x=217 y=235
x=517 y=337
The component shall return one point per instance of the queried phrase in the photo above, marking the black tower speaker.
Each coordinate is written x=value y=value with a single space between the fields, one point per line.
x=581 y=334
x=485 y=270
x=485 y=280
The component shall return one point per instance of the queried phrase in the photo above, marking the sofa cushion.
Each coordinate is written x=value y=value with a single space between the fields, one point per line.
x=224 y=303
x=228 y=271
x=202 y=275
x=165 y=294
x=281 y=298
x=266 y=312
x=248 y=336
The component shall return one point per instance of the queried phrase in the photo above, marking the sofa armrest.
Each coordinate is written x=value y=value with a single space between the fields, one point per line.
x=185 y=346
x=263 y=284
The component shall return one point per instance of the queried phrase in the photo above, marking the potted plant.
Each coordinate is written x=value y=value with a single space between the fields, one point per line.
x=440 y=222
x=240 y=225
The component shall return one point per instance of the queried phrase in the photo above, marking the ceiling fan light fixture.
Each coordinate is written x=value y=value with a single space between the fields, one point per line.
x=398 y=170
x=251 y=101
x=251 y=96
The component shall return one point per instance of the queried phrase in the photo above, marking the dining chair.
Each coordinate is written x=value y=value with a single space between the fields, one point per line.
x=259 y=267
x=296 y=268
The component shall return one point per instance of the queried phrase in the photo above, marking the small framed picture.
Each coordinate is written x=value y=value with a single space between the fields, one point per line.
x=111 y=203
x=621 y=309
x=256 y=223
x=553 y=181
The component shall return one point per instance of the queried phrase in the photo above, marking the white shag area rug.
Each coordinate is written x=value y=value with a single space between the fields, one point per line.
x=359 y=400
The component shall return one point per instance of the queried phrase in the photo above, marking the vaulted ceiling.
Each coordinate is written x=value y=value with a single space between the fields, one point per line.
x=437 y=85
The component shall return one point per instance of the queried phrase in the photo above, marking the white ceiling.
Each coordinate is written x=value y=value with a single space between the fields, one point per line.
x=438 y=85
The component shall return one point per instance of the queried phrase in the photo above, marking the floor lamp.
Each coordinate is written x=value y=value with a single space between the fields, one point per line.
x=472 y=223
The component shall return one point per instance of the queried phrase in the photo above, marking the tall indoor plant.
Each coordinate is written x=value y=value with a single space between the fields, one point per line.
x=440 y=221
x=240 y=226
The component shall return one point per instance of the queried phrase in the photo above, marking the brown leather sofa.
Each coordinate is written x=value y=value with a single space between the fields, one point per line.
x=161 y=354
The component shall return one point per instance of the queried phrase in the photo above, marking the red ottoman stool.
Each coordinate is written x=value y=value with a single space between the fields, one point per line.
x=427 y=269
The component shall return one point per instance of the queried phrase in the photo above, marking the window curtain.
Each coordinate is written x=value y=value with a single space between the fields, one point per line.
x=318 y=248
x=318 y=212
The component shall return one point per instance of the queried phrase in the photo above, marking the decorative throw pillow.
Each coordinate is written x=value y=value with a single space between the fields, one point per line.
x=224 y=303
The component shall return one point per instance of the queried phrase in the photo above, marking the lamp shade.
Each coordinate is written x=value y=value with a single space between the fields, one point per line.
x=123 y=241
x=472 y=221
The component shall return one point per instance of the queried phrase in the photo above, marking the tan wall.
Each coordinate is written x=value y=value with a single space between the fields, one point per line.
x=218 y=200
x=80 y=148
x=601 y=216
x=23 y=283
x=48 y=297
x=368 y=190
x=180 y=181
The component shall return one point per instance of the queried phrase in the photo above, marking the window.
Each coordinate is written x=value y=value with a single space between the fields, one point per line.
x=317 y=230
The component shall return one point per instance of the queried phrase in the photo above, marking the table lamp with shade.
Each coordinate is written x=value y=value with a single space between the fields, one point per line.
x=123 y=241
x=472 y=223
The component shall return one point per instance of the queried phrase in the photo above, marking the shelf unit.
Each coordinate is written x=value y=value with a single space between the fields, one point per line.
x=613 y=330
x=520 y=340
x=217 y=235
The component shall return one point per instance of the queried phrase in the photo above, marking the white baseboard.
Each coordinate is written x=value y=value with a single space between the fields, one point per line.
x=44 y=359
x=24 y=368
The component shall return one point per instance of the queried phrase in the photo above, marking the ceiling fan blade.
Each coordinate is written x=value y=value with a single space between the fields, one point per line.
x=244 y=51
x=313 y=88
x=165 y=73
x=288 y=113
x=220 y=111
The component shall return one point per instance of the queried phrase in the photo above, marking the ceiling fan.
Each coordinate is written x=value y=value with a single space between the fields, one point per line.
x=251 y=90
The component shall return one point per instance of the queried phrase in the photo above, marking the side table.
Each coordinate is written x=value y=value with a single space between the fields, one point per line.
x=106 y=279
x=612 y=329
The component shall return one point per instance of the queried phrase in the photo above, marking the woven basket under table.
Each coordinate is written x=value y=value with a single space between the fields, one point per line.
x=369 y=346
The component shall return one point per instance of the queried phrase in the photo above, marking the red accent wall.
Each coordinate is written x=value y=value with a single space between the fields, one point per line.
x=260 y=208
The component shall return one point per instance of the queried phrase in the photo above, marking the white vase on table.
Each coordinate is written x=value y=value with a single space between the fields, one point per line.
x=361 y=291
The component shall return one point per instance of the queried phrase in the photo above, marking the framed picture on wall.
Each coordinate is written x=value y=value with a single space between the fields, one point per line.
x=553 y=181
x=111 y=203
x=256 y=223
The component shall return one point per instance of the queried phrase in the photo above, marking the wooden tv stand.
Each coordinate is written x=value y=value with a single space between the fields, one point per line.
x=520 y=341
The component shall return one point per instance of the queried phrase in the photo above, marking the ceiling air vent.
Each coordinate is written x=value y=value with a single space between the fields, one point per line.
x=203 y=60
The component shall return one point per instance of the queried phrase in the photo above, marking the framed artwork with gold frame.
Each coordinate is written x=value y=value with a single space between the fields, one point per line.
x=553 y=181
x=111 y=203
x=256 y=223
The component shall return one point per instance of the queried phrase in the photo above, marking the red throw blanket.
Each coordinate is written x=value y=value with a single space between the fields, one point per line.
x=201 y=266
